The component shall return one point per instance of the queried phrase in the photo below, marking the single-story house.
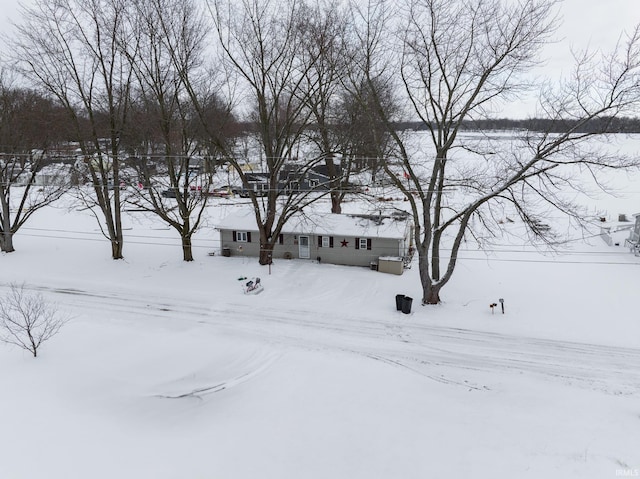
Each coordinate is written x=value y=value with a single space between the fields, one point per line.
x=357 y=240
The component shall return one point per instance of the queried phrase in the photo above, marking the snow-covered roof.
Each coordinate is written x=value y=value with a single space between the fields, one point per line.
x=378 y=226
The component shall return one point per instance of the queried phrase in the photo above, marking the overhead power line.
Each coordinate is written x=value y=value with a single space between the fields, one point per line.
x=460 y=258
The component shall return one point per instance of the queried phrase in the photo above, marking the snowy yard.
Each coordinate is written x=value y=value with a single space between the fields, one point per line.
x=168 y=371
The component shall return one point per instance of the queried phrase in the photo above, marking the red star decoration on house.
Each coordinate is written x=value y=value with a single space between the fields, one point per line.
x=344 y=243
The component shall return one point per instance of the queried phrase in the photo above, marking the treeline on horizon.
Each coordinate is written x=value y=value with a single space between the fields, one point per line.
x=609 y=124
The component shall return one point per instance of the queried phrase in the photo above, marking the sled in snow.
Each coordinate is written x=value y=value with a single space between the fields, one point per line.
x=253 y=286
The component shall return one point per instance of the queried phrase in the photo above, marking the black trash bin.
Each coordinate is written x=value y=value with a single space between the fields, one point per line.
x=226 y=252
x=399 y=299
x=406 y=304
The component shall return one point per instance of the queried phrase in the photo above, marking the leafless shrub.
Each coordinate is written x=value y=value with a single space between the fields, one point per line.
x=27 y=320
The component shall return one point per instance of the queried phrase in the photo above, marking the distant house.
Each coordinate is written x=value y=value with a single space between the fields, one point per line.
x=291 y=179
x=53 y=175
x=295 y=180
x=615 y=233
x=356 y=240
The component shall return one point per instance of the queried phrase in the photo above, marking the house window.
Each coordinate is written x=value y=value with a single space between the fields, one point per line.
x=363 y=243
x=325 y=241
x=313 y=183
x=242 y=236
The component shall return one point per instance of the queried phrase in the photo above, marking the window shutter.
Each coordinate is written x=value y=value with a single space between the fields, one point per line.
x=319 y=241
x=368 y=243
x=357 y=243
x=280 y=238
x=234 y=236
x=248 y=236
x=330 y=241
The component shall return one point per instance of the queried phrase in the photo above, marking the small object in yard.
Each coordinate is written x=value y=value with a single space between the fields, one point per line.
x=406 y=304
x=253 y=286
x=242 y=278
x=399 y=300
x=493 y=305
x=501 y=301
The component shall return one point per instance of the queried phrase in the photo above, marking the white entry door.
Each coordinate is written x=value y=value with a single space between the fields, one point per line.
x=303 y=247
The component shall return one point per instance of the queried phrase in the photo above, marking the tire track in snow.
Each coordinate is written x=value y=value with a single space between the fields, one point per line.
x=606 y=368
x=253 y=367
x=420 y=348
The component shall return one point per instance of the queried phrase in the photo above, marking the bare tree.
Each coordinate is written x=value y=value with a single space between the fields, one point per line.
x=27 y=320
x=365 y=142
x=457 y=60
x=369 y=104
x=324 y=26
x=260 y=42
x=166 y=54
x=29 y=179
x=72 y=49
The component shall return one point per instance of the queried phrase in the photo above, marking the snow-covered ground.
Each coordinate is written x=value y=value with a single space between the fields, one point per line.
x=168 y=371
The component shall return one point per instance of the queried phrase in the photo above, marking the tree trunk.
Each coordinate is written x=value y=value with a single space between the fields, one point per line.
x=6 y=242
x=336 y=203
x=187 y=250
x=266 y=247
x=6 y=238
x=266 y=253
x=116 y=249
x=430 y=291
x=430 y=294
x=334 y=180
x=117 y=203
x=34 y=349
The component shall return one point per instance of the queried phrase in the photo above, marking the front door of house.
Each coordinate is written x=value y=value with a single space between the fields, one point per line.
x=303 y=247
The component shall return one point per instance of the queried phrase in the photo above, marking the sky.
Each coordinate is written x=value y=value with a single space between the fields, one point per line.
x=597 y=23
x=594 y=24
x=9 y=12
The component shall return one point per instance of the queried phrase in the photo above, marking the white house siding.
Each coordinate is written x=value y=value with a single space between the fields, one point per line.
x=338 y=254
x=240 y=248
x=384 y=235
